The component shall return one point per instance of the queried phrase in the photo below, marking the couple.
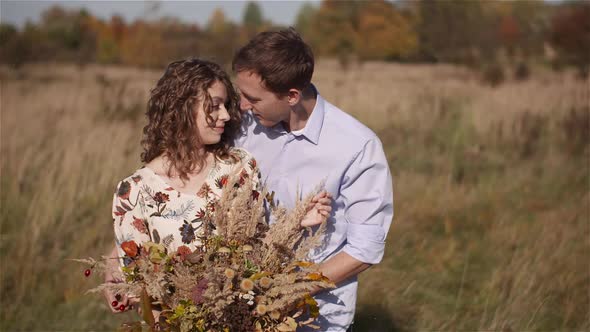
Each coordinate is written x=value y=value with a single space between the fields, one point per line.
x=278 y=129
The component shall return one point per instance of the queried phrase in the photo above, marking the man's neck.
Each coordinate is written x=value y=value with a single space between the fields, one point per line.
x=301 y=112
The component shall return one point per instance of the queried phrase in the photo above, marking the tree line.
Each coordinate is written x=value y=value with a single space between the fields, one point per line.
x=463 y=32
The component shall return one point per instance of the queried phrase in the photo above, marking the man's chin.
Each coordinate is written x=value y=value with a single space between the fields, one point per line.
x=267 y=123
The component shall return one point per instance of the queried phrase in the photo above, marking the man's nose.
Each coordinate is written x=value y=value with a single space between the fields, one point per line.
x=245 y=106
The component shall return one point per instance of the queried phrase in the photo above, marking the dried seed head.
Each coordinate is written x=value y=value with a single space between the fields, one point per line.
x=229 y=273
x=265 y=282
x=261 y=309
x=224 y=250
x=247 y=285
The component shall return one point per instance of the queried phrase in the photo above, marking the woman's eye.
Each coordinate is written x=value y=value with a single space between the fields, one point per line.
x=215 y=107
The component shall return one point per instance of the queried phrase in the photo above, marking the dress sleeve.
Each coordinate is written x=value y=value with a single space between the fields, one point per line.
x=368 y=199
x=129 y=221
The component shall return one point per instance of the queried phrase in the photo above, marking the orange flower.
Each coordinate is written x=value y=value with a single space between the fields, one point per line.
x=130 y=248
x=183 y=251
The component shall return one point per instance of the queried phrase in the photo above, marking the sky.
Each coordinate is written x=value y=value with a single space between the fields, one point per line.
x=280 y=12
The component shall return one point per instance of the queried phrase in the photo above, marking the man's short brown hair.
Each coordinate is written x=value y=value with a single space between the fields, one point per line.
x=281 y=58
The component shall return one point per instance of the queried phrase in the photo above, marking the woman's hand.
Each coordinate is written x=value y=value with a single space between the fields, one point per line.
x=116 y=301
x=318 y=210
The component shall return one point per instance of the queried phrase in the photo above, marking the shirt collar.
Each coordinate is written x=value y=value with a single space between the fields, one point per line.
x=313 y=127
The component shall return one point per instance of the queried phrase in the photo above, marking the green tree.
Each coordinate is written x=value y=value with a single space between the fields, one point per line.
x=14 y=49
x=253 y=16
x=305 y=17
x=221 y=38
x=455 y=31
x=335 y=29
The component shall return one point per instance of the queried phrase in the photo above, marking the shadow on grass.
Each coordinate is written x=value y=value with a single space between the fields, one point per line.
x=376 y=318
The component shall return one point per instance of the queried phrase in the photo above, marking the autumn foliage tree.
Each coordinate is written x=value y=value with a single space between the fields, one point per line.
x=509 y=33
x=465 y=32
x=383 y=33
x=369 y=30
x=570 y=35
x=220 y=39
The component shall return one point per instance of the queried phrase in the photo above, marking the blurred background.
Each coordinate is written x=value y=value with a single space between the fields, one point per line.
x=482 y=108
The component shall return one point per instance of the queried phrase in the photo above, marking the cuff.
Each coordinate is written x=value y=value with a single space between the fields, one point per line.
x=365 y=243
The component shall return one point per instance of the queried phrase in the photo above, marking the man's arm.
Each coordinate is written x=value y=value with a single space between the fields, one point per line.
x=367 y=194
x=341 y=267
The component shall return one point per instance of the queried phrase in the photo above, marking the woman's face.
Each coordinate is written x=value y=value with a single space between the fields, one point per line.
x=220 y=115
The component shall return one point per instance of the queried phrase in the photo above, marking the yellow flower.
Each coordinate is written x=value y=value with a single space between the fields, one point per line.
x=229 y=273
x=265 y=282
x=247 y=285
x=261 y=309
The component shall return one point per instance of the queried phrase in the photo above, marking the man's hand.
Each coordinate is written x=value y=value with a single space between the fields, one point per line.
x=318 y=210
x=116 y=302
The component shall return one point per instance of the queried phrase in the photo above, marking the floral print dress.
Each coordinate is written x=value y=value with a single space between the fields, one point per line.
x=146 y=208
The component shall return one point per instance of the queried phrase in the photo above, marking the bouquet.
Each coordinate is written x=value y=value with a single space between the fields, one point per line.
x=245 y=276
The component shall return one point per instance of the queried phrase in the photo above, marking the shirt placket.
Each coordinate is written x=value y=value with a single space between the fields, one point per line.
x=283 y=176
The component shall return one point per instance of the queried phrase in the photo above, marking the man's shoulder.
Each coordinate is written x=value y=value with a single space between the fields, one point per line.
x=345 y=126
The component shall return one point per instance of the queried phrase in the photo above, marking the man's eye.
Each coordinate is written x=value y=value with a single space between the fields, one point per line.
x=215 y=107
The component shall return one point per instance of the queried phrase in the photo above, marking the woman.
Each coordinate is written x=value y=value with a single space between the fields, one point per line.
x=193 y=118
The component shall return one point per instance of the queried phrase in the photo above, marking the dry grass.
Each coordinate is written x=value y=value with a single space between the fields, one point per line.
x=492 y=193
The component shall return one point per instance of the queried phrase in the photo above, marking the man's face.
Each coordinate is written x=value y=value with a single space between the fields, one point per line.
x=269 y=108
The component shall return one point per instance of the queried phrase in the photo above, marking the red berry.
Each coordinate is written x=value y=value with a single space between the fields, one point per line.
x=115 y=304
x=87 y=272
x=122 y=307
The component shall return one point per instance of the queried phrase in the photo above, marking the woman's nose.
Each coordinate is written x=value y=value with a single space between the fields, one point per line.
x=224 y=114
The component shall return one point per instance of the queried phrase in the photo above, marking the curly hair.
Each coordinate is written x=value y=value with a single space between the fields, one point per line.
x=171 y=111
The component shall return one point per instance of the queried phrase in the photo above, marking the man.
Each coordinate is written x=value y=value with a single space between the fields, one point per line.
x=301 y=140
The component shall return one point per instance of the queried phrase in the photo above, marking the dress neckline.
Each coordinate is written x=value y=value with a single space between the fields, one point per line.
x=168 y=186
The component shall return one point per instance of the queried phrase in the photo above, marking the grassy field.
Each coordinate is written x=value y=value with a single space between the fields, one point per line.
x=492 y=194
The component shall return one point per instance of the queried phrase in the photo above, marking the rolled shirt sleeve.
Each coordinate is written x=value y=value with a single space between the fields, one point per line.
x=367 y=193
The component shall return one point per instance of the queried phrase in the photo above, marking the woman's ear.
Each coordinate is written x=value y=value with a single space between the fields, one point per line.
x=293 y=96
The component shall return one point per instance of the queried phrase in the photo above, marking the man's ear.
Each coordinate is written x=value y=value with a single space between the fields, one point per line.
x=293 y=97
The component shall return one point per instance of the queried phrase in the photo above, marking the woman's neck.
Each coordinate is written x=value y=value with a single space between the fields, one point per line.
x=161 y=165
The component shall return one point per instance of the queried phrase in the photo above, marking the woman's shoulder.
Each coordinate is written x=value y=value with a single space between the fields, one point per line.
x=135 y=179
